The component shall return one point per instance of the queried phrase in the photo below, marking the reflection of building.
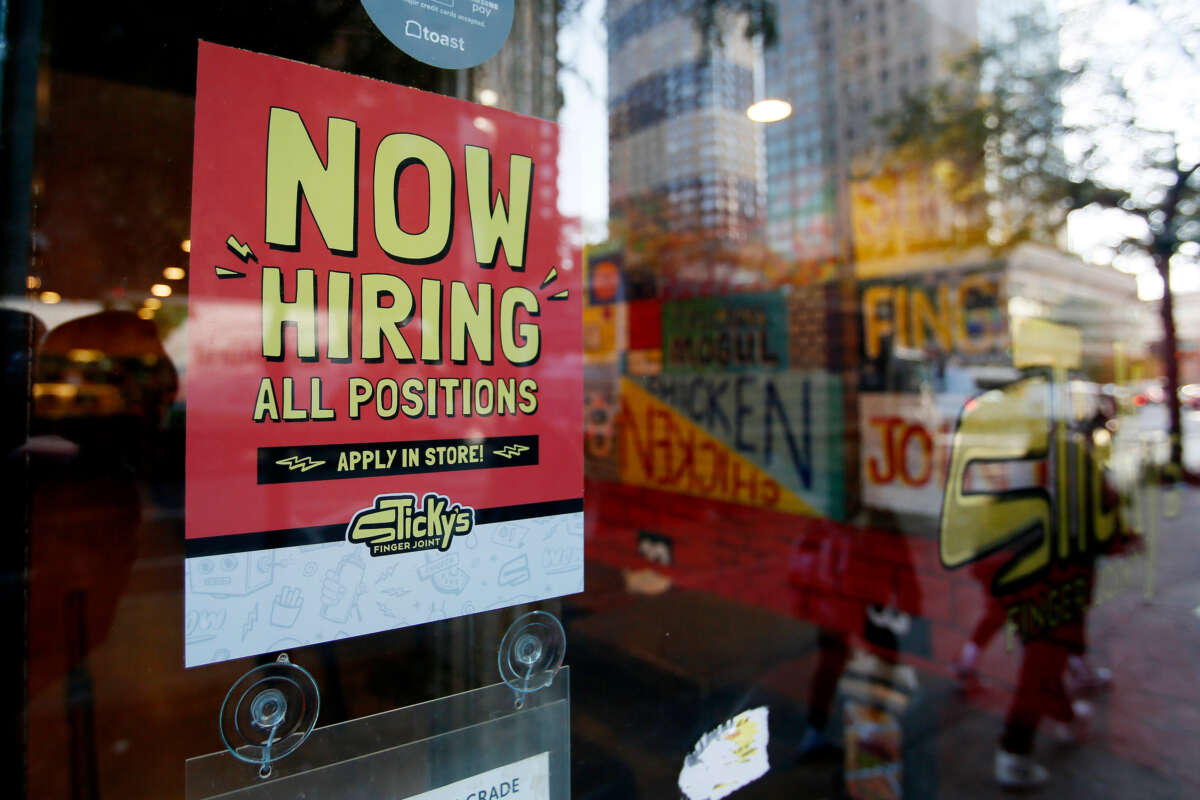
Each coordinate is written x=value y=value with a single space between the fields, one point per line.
x=1100 y=302
x=934 y=338
x=681 y=149
x=841 y=65
x=524 y=74
x=831 y=188
x=960 y=318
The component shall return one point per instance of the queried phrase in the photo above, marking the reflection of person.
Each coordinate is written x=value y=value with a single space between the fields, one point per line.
x=1054 y=667
x=1040 y=693
x=1084 y=677
x=819 y=556
x=833 y=568
x=989 y=624
x=833 y=650
x=101 y=385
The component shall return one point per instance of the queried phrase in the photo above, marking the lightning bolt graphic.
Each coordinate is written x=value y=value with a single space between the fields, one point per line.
x=511 y=450
x=240 y=250
x=550 y=278
x=302 y=463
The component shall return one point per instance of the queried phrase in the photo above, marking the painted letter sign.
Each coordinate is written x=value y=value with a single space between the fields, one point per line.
x=385 y=374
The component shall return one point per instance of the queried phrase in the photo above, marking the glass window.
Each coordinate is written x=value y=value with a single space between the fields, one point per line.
x=854 y=453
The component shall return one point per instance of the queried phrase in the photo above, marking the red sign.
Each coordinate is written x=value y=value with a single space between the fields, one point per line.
x=376 y=311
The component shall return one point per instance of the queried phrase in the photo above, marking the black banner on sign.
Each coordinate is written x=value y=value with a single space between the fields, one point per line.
x=326 y=462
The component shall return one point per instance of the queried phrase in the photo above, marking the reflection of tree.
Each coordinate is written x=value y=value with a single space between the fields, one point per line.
x=995 y=134
x=666 y=255
x=761 y=18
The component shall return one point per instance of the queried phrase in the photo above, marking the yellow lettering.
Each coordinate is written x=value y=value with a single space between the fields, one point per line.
x=962 y=292
x=876 y=326
x=338 y=347
x=528 y=391
x=394 y=154
x=360 y=393
x=431 y=321
x=265 y=406
x=387 y=410
x=900 y=315
x=469 y=322
x=924 y=315
x=380 y=323
x=491 y=225
x=526 y=351
x=411 y=391
x=294 y=169
x=276 y=313
x=448 y=386
x=318 y=412
x=290 y=412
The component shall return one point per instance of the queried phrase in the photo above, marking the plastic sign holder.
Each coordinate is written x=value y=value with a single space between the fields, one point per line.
x=512 y=737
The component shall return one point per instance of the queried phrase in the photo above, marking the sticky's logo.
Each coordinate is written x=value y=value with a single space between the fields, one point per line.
x=1030 y=421
x=397 y=523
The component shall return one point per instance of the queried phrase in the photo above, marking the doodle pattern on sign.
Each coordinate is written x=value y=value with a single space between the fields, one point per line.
x=240 y=605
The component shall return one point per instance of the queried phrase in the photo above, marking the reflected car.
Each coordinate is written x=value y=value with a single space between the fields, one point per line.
x=1151 y=393
x=1189 y=395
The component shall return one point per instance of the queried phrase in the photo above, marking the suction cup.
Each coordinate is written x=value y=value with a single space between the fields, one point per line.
x=269 y=712
x=531 y=653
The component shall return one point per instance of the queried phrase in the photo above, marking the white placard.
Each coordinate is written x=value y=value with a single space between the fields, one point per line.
x=528 y=779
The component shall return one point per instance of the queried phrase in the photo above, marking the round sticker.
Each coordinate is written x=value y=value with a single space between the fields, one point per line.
x=451 y=34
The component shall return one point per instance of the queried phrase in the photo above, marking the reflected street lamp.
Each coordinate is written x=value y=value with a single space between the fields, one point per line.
x=769 y=110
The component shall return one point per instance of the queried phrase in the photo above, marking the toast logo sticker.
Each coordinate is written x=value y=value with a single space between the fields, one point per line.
x=444 y=33
x=398 y=524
